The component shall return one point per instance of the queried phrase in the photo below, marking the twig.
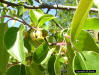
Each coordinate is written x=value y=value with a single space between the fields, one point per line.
x=8 y=20
x=57 y=24
x=22 y=21
x=63 y=7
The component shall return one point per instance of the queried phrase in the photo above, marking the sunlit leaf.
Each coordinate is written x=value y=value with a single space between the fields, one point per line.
x=2 y=14
x=31 y=2
x=44 y=19
x=96 y=2
x=88 y=61
x=92 y=24
x=35 y=15
x=86 y=42
x=79 y=18
x=14 y=43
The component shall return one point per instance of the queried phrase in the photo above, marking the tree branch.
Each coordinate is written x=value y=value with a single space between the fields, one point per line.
x=22 y=21
x=62 y=7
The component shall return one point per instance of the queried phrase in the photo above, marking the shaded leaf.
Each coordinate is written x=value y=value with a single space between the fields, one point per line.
x=16 y=70
x=57 y=66
x=48 y=56
x=51 y=62
x=40 y=53
x=20 y=11
x=3 y=53
x=34 y=69
x=27 y=44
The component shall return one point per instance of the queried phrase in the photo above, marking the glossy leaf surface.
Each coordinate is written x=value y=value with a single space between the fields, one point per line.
x=15 y=46
x=86 y=42
x=79 y=18
x=88 y=61
x=92 y=24
x=40 y=53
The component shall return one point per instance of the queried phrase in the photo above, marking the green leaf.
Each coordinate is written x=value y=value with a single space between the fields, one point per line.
x=23 y=70
x=89 y=61
x=31 y=2
x=86 y=42
x=48 y=56
x=20 y=11
x=14 y=43
x=44 y=19
x=70 y=55
x=3 y=53
x=35 y=15
x=51 y=65
x=16 y=70
x=40 y=53
x=92 y=24
x=2 y=14
x=27 y=44
x=79 y=18
x=34 y=69
x=57 y=66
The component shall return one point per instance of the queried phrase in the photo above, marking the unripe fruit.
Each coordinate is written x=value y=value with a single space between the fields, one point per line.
x=25 y=34
x=44 y=33
x=33 y=35
x=39 y=34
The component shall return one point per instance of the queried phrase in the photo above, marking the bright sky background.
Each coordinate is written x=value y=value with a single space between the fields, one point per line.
x=17 y=24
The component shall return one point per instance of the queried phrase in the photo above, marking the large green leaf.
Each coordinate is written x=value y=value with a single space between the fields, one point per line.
x=89 y=61
x=34 y=69
x=57 y=66
x=51 y=62
x=92 y=23
x=40 y=53
x=86 y=42
x=79 y=18
x=35 y=15
x=44 y=19
x=16 y=70
x=3 y=53
x=14 y=43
